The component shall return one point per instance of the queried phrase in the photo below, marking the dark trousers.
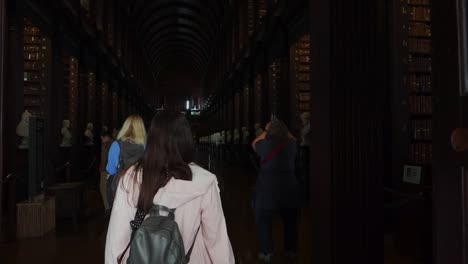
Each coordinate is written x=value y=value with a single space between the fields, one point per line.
x=264 y=220
x=111 y=188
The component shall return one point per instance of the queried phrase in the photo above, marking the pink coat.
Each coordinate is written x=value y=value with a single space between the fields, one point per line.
x=198 y=203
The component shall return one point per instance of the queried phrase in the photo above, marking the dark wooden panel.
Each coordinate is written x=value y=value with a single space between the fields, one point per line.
x=321 y=162
x=3 y=29
x=347 y=160
x=448 y=224
x=14 y=105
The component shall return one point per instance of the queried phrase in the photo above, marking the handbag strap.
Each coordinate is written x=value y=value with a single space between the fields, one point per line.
x=273 y=153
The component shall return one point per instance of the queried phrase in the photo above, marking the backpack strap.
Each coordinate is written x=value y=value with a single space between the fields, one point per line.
x=134 y=224
x=138 y=220
x=273 y=153
x=120 y=164
x=187 y=257
x=156 y=209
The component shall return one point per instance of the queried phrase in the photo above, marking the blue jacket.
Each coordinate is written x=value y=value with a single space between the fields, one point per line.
x=113 y=159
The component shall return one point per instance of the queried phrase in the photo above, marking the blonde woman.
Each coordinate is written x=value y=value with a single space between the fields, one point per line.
x=125 y=151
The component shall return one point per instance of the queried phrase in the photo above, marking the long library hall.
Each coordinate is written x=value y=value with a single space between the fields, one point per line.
x=233 y=131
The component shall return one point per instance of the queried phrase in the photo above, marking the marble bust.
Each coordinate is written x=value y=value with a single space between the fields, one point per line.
x=89 y=135
x=236 y=136
x=229 y=137
x=245 y=135
x=213 y=138
x=223 y=137
x=217 y=138
x=258 y=129
x=22 y=129
x=66 y=134
x=305 y=118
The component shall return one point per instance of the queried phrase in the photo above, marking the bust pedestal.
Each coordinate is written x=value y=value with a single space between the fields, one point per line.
x=35 y=218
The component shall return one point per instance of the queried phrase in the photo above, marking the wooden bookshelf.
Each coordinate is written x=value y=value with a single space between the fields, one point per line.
x=261 y=11
x=91 y=81
x=300 y=79
x=123 y=107
x=251 y=17
x=246 y=106
x=37 y=59
x=71 y=90
x=110 y=27
x=258 y=93
x=230 y=119
x=237 y=110
x=104 y=93
x=86 y=7
x=115 y=110
x=242 y=30
x=418 y=81
x=274 y=78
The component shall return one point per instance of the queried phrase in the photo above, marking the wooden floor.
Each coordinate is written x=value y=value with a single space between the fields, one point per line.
x=392 y=256
x=84 y=243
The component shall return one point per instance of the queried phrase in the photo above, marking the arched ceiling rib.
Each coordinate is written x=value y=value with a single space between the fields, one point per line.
x=177 y=31
x=183 y=56
x=183 y=13
x=170 y=52
x=180 y=35
x=186 y=47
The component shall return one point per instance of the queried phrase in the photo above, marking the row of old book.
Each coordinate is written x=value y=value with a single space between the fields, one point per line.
x=422 y=129
x=421 y=153
x=419 y=83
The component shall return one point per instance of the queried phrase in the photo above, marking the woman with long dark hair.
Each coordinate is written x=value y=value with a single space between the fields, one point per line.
x=166 y=175
x=277 y=189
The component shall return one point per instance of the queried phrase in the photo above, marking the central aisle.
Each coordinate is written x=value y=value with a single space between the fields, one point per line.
x=84 y=243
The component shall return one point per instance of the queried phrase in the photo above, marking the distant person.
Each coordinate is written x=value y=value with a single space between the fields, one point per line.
x=125 y=151
x=277 y=188
x=106 y=140
x=165 y=178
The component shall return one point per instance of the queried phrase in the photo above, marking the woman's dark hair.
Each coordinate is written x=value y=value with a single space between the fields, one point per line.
x=169 y=150
x=278 y=131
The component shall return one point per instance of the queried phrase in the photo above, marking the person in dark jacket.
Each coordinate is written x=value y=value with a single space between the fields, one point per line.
x=277 y=189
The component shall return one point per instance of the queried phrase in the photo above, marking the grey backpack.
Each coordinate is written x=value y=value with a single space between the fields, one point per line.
x=157 y=239
x=129 y=154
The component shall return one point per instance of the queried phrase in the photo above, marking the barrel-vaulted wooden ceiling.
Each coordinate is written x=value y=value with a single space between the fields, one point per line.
x=181 y=31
